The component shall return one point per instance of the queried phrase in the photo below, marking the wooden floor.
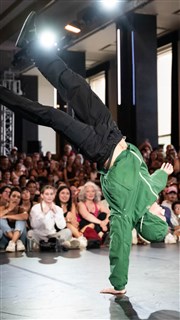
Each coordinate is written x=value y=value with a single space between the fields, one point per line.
x=66 y=285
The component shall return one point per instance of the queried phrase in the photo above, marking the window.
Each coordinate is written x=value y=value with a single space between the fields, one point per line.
x=97 y=84
x=164 y=65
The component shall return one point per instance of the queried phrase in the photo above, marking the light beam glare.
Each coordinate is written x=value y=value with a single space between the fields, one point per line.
x=47 y=39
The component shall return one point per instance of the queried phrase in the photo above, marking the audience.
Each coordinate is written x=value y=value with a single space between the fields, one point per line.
x=73 y=175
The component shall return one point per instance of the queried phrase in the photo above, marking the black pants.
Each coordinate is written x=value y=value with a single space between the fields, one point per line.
x=92 y=130
x=102 y=216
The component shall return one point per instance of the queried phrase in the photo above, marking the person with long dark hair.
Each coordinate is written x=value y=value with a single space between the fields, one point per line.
x=64 y=200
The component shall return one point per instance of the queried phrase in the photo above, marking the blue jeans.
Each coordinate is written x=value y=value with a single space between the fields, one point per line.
x=5 y=227
x=20 y=225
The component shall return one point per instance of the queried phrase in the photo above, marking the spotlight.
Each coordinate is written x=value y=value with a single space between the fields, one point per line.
x=47 y=39
x=109 y=4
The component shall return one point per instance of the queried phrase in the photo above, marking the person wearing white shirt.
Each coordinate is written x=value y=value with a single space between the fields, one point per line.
x=47 y=220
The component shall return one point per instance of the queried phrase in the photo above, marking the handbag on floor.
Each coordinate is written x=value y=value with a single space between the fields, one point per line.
x=93 y=240
x=51 y=245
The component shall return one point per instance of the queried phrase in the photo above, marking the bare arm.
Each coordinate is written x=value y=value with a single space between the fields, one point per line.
x=103 y=208
x=19 y=216
x=11 y=210
x=71 y=216
x=90 y=217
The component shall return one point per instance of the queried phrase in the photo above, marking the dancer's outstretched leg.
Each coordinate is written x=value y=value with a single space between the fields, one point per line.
x=95 y=146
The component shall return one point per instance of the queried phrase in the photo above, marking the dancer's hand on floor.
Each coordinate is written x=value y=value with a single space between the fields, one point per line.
x=167 y=167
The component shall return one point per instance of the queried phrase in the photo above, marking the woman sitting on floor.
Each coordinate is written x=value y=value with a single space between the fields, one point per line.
x=64 y=200
x=13 y=221
x=92 y=212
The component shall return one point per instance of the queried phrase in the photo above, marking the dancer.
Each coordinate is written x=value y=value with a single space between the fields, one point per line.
x=126 y=183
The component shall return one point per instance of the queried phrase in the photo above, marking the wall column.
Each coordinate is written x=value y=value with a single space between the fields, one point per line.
x=137 y=112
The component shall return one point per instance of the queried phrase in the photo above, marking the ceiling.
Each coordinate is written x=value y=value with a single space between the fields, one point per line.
x=98 y=36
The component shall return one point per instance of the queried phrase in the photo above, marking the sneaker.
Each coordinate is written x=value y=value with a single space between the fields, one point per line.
x=142 y=240
x=66 y=244
x=83 y=242
x=28 y=31
x=170 y=239
x=11 y=246
x=75 y=243
x=20 y=246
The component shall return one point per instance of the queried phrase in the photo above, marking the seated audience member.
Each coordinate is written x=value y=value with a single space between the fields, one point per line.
x=5 y=164
x=13 y=221
x=78 y=163
x=48 y=155
x=171 y=154
x=13 y=157
x=4 y=195
x=34 y=192
x=40 y=170
x=171 y=194
x=22 y=157
x=177 y=163
x=94 y=174
x=53 y=170
x=50 y=180
x=69 y=171
x=175 y=217
x=36 y=156
x=146 y=149
x=81 y=179
x=2 y=184
x=6 y=177
x=64 y=200
x=160 y=156
x=26 y=203
x=28 y=163
x=46 y=218
x=18 y=171
x=15 y=182
x=87 y=168
x=22 y=181
x=91 y=211
x=68 y=151
x=172 y=181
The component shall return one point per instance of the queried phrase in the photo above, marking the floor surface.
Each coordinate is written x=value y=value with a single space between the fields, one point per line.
x=66 y=285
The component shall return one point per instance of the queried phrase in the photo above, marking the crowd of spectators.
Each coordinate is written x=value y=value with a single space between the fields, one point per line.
x=72 y=184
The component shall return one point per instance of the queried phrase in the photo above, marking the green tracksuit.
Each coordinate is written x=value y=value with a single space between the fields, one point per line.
x=130 y=190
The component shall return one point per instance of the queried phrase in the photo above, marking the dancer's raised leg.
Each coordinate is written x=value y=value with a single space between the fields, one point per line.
x=84 y=137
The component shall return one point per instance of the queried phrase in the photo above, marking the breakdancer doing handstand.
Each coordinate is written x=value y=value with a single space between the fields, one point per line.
x=126 y=183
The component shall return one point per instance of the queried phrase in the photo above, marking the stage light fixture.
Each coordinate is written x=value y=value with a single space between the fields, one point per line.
x=47 y=39
x=72 y=28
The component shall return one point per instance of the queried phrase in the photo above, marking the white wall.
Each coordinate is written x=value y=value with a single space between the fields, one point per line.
x=45 y=96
